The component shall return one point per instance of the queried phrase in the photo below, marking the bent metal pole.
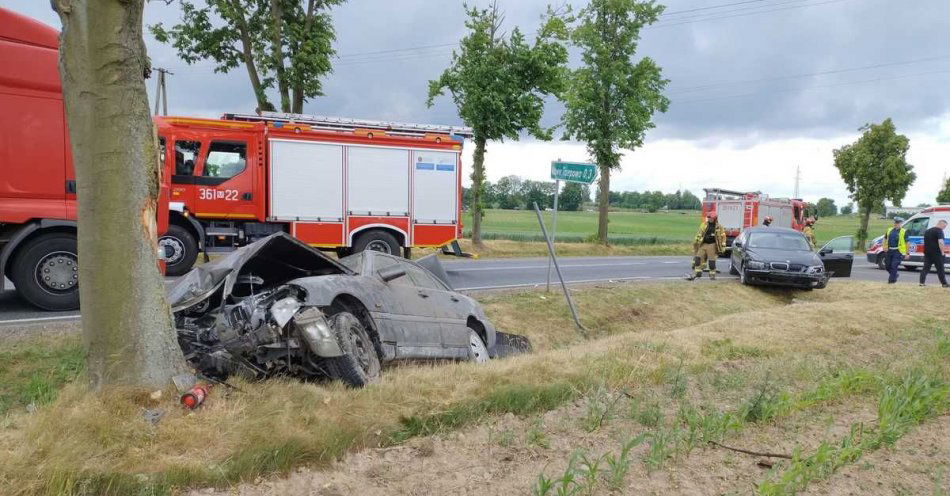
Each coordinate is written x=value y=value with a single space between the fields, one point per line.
x=557 y=268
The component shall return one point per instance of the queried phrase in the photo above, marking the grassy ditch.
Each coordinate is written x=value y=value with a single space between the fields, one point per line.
x=673 y=337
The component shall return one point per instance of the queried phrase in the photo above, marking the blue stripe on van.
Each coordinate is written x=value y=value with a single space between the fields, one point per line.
x=425 y=166
x=446 y=167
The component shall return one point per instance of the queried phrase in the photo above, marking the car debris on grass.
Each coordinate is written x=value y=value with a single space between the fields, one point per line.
x=280 y=307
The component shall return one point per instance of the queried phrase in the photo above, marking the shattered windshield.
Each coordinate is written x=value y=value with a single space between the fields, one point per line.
x=353 y=262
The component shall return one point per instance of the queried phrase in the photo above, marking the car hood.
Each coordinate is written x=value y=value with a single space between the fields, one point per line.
x=774 y=255
x=275 y=259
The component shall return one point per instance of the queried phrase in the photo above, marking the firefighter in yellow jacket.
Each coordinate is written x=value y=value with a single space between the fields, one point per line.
x=809 y=232
x=710 y=241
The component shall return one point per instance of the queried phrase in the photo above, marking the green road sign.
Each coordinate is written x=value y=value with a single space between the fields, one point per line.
x=575 y=172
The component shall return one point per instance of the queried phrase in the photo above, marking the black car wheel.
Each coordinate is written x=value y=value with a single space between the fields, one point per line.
x=732 y=269
x=880 y=261
x=743 y=276
x=359 y=364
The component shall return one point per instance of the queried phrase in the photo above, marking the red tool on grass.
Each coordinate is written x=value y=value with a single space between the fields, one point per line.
x=195 y=396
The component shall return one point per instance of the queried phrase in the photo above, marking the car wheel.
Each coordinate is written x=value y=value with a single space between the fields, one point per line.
x=477 y=352
x=46 y=272
x=180 y=250
x=732 y=269
x=376 y=240
x=359 y=364
x=880 y=262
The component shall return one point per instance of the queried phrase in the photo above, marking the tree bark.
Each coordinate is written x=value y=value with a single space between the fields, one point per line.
x=478 y=183
x=277 y=46
x=603 y=202
x=297 y=105
x=126 y=321
x=863 y=230
x=246 y=52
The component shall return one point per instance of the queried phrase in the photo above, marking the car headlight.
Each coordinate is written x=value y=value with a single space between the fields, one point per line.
x=817 y=269
x=755 y=264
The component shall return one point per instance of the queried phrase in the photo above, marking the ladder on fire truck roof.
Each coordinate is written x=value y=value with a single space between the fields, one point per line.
x=344 y=124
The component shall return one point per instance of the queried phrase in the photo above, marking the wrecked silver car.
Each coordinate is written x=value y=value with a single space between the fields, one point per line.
x=280 y=307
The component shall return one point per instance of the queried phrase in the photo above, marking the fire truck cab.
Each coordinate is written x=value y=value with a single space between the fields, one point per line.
x=740 y=210
x=337 y=184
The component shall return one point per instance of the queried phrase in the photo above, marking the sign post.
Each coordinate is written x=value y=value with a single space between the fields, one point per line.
x=571 y=172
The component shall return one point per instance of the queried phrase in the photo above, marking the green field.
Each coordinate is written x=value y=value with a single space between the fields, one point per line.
x=635 y=227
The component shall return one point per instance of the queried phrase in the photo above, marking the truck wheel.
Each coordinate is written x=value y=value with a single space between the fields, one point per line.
x=376 y=240
x=359 y=364
x=180 y=250
x=46 y=272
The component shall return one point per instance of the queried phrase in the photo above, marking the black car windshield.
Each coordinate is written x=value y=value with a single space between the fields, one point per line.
x=778 y=241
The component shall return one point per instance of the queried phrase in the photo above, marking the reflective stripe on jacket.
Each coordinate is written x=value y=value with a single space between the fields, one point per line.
x=901 y=240
x=720 y=236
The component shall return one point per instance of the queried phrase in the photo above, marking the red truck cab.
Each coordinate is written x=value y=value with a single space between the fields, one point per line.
x=38 y=183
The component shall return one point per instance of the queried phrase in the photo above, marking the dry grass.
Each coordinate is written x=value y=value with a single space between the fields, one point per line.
x=93 y=444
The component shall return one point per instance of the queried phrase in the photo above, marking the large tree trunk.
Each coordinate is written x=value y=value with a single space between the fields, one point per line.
x=863 y=230
x=277 y=46
x=297 y=105
x=478 y=185
x=603 y=200
x=126 y=321
x=247 y=54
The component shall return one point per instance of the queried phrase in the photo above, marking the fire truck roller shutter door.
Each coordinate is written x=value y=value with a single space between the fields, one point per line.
x=377 y=181
x=435 y=187
x=306 y=181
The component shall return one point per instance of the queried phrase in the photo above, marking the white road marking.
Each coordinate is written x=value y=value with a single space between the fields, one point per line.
x=563 y=266
x=39 y=319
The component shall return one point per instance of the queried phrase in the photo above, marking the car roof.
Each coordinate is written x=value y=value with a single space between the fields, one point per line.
x=784 y=230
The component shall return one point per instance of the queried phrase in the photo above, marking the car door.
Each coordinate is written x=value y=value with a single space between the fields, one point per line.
x=838 y=256
x=915 y=228
x=738 y=249
x=413 y=318
x=450 y=309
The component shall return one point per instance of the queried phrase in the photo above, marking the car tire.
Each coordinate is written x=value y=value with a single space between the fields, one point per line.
x=180 y=246
x=477 y=351
x=732 y=269
x=59 y=249
x=880 y=262
x=359 y=365
x=377 y=240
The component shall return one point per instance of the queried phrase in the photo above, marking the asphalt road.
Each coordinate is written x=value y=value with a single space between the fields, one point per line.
x=474 y=275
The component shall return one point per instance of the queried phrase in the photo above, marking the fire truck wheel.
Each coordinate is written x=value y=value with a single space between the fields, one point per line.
x=46 y=272
x=377 y=241
x=180 y=250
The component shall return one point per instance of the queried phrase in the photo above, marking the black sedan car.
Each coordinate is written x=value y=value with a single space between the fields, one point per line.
x=280 y=307
x=782 y=257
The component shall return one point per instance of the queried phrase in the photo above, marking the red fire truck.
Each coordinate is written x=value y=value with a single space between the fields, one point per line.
x=339 y=184
x=739 y=210
x=37 y=179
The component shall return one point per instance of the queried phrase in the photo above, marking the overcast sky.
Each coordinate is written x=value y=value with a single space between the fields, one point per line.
x=758 y=87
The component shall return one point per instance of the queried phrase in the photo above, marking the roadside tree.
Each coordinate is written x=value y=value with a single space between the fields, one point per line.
x=498 y=85
x=572 y=197
x=287 y=43
x=126 y=321
x=610 y=100
x=874 y=168
x=826 y=208
x=944 y=195
x=847 y=209
x=540 y=192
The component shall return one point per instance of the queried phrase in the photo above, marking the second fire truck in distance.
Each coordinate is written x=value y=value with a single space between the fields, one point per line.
x=341 y=184
x=739 y=210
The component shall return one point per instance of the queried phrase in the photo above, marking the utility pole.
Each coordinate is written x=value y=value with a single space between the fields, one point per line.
x=161 y=92
x=798 y=180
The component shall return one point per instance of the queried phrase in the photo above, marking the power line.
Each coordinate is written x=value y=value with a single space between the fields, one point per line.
x=671 y=24
x=711 y=7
